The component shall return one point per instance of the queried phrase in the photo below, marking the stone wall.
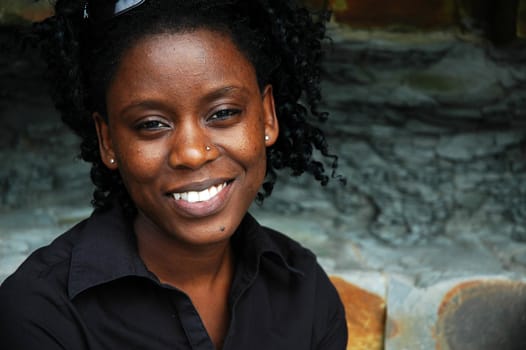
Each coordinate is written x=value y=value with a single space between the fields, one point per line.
x=430 y=132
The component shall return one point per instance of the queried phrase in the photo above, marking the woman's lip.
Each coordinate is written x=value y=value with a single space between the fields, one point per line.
x=200 y=196
x=198 y=186
x=204 y=208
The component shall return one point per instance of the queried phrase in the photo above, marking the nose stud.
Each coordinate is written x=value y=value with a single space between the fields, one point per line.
x=208 y=148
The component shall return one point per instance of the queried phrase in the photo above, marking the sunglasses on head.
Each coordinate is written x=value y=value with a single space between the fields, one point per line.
x=103 y=10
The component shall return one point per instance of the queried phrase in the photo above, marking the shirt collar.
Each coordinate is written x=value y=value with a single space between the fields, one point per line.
x=252 y=242
x=107 y=250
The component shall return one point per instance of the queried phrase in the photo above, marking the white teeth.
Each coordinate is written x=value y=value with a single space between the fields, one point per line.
x=212 y=191
x=202 y=196
x=193 y=196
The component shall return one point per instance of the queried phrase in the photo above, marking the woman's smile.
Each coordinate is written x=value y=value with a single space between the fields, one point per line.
x=188 y=126
x=201 y=203
x=197 y=195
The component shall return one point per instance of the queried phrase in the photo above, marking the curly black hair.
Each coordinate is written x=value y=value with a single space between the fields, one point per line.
x=281 y=38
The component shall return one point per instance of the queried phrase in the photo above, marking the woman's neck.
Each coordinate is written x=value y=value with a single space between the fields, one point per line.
x=185 y=266
x=204 y=273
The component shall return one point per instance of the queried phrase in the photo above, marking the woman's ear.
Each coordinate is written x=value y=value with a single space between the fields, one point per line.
x=270 y=118
x=107 y=153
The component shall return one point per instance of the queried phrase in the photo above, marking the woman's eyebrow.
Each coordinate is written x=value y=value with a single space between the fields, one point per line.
x=225 y=91
x=145 y=104
x=208 y=97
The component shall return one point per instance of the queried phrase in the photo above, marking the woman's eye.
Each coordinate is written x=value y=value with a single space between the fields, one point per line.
x=152 y=125
x=224 y=114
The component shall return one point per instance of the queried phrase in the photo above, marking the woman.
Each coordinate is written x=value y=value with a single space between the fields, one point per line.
x=183 y=108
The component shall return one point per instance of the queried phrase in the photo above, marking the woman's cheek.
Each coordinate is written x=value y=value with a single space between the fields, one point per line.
x=143 y=162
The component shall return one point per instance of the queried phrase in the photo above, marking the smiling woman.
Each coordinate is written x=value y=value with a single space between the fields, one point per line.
x=185 y=109
x=179 y=127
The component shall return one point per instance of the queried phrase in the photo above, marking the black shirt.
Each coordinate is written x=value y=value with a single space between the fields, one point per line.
x=89 y=289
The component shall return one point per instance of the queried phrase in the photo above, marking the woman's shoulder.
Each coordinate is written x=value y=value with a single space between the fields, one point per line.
x=292 y=269
x=267 y=240
x=51 y=264
x=47 y=267
x=34 y=300
x=277 y=251
x=287 y=244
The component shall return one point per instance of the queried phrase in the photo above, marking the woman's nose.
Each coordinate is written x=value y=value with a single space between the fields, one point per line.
x=191 y=147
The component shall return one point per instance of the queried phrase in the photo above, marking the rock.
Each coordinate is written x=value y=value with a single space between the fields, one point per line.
x=365 y=312
x=474 y=313
x=483 y=315
x=462 y=147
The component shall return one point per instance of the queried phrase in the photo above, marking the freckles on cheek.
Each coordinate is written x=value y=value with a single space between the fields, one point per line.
x=143 y=164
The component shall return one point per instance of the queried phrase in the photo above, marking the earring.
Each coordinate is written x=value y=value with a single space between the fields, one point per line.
x=267 y=138
x=112 y=161
x=208 y=148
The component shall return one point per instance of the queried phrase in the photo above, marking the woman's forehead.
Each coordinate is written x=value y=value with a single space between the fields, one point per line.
x=181 y=67
x=190 y=51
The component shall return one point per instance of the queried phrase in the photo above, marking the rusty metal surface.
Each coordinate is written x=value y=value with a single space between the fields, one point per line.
x=483 y=315
x=478 y=313
x=365 y=312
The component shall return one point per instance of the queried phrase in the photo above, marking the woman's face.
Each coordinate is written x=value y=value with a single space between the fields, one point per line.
x=187 y=126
